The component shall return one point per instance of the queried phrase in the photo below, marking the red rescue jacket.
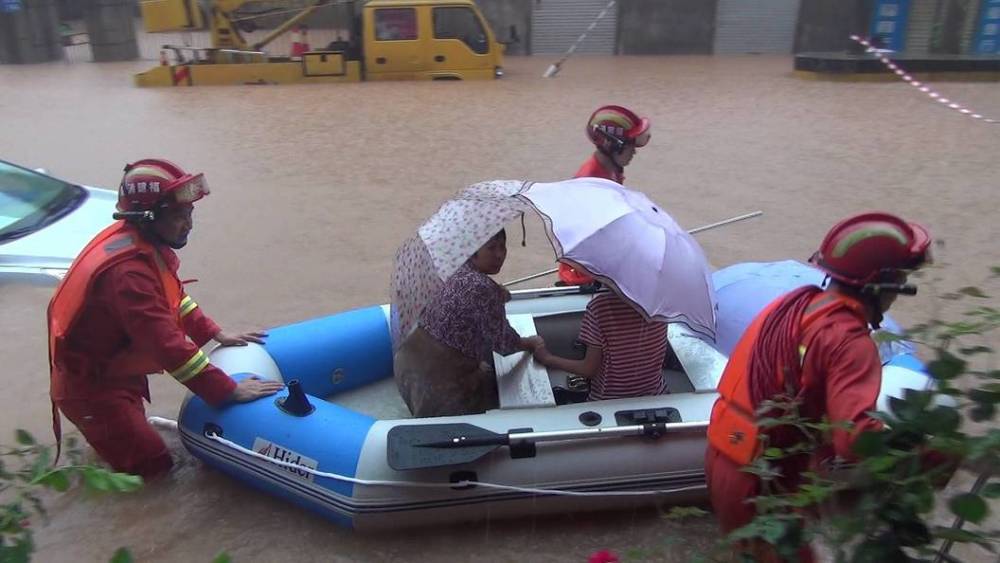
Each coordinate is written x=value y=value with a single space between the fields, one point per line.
x=106 y=353
x=733 y=427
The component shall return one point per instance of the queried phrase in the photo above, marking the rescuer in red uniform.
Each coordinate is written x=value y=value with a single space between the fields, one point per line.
x=616 y=132
x=121 y=313
x=812 y=344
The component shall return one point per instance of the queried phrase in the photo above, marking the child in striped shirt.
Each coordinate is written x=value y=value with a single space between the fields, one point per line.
x=625 y=352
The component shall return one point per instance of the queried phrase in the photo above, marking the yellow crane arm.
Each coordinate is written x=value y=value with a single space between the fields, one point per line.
x=185 y=15
x=288 y=24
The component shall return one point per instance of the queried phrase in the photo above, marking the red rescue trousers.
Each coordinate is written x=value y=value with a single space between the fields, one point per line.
x=729 y=489
x=115 y=425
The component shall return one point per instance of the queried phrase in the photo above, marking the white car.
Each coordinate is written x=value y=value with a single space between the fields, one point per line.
x=45 y=222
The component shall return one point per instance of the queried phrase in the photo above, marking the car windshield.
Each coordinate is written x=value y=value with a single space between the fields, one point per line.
x=30 y=201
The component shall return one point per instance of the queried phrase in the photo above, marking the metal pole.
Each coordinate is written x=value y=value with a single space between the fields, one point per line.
x=691 y=232
x=556 y=66
x=726 y=222
x=942 y=554
x=560 y=435
x=278 y=31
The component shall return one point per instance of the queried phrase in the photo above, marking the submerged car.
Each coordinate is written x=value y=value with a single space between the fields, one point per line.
x=45 y=222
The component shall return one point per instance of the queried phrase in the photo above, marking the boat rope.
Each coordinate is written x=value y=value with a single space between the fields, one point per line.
x=556 y=66
x=456 y=485
x=906 y=77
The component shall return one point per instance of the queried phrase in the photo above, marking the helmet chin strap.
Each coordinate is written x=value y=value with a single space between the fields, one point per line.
x=619 y=147
x=872 y=293
x=146 y=227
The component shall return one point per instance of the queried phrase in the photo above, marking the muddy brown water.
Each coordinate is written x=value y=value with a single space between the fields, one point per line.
x=313 y=187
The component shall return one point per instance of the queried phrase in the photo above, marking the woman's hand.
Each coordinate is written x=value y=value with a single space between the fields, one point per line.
x=256 y=337
x=532 y=343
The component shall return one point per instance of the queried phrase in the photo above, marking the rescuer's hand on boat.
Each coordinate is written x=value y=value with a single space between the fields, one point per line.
x=254 y=388
x=256 y=337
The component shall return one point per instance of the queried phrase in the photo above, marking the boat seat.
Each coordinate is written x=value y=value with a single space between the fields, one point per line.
x=560 y=333
x=677 y=381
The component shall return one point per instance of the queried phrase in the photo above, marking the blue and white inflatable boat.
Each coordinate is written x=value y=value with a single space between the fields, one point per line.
x=346 y=456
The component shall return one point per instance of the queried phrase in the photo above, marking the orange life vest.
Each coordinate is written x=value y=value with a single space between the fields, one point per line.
x=733 y=427
x=116 y=243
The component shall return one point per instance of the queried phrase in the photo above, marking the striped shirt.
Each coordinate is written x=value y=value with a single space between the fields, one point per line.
x=633 y=349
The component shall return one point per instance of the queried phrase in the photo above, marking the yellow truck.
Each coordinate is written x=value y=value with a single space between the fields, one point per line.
x=389 y=40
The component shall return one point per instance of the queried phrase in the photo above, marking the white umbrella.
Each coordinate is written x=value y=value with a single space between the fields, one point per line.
x=628 y=242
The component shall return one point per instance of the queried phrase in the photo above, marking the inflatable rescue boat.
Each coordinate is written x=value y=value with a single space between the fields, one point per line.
x=339 y=440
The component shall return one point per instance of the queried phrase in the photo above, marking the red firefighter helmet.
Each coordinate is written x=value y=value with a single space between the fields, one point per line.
x=864 y=248
x=610 y=128
x=152 y=182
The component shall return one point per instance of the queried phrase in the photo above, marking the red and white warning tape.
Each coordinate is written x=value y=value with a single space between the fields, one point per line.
x=905 y=76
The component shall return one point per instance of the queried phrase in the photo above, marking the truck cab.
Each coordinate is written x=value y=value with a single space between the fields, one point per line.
x=428 y=40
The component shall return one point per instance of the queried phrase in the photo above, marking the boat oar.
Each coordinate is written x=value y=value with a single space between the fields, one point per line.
x=695 y=231
x=420 y=446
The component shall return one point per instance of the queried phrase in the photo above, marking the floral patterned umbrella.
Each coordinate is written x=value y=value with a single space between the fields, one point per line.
x=442 y=244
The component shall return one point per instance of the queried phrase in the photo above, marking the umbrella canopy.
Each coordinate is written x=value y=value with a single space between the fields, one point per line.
x=743 y=290
x=629 y=243
x=442 y=244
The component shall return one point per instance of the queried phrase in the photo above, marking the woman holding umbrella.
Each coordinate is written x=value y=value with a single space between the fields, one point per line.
x=444 y=367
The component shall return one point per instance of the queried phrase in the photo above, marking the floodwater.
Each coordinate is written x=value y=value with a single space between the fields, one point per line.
x=313 y=187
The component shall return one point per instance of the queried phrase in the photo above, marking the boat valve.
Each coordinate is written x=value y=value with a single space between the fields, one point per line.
x=296 y=403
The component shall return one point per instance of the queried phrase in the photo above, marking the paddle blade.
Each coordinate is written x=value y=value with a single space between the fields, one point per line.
x=419 y=446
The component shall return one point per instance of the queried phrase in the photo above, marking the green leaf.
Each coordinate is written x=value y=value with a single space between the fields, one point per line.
x=973 y=292
x=942 y=420
x=985 y=396
x=883 y=336
x=123 y=555
x=991 y=490
x=123 y=482
x=918 y=400
x=969 y=506
x=878 y=550
x=40 y=465
x=683 y=513
x=963 y=535
x=56 y=480
x=870 y=444
x=900 y=408
x=768 y=422
x=911 y=533
x=96 y=479
x=973 y=350
x=880 y=464
x=946 y=366
x=774 y=452
x=24 y=437
x=982 y=412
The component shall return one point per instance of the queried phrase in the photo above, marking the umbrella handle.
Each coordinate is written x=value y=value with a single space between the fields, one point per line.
x=697 y=230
